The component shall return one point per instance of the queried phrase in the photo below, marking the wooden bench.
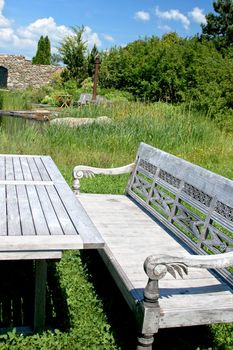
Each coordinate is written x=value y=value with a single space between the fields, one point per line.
x=176 y=219
x=86 y=98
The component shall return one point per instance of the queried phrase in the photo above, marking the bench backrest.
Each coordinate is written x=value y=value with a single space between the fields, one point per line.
x=84 y=98
x=194 y=203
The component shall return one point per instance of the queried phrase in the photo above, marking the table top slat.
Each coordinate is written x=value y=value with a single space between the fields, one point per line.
x=53 y=171
x=34 y=170
x=13 y=218
x=61 y=212
x=27 y=224
x=25 y=168
x=3 y=225
x=37 y=212
x=9 y=169
x=18 y=173
x=79 y=217
x=2 y=168
x=50 y=215
x=42 y=169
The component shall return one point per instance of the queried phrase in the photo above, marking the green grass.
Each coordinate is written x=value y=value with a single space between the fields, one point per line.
x=13 y=100
x=173 y=129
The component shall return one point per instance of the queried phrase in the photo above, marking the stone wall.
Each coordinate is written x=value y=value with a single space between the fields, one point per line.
x=22 y=73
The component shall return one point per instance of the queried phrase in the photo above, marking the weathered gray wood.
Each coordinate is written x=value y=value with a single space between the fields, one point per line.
x=25 y=168
x=40 y=294
x=130 y=235
x=42 y=169
x=18 y=174
x=2 y=168
x=3 y=217
x=34 y=170
x=33 y=210
x=30 y=255
x=81 y=171
x=42 y=243
x=61 y=212
x=204 y=180
x=13 y=217
x=26 y=182
x=40 y=223
x=52 y=170
x=9 y=169
x=25 y=212
x=84 y=226
x=49 y=213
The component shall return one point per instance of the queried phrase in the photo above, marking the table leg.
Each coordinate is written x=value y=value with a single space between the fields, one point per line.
x=40 y=294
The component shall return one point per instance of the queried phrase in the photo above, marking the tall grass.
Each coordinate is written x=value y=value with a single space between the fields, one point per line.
x=170 y=128
x=13 y=100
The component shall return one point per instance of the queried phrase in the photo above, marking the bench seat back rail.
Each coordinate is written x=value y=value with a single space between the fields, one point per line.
x=192 y=202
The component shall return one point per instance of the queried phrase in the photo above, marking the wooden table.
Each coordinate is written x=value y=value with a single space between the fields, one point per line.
x=64 y=100
x=40 y=217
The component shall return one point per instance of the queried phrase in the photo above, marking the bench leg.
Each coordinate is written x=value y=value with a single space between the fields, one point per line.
x=145 y=342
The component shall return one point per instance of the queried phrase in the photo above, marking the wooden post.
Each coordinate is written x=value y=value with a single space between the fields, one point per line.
x=40 y=294
x=97 y=63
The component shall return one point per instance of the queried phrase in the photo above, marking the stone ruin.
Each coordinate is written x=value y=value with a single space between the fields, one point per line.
x=18 y=73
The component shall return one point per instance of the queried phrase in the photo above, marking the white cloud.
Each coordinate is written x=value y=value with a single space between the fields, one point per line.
x=197 y=15
x=108 y=37
x=26 y=38
x=175 y=15
x=142 y=16
x=91 y=37
x=165 y=28
x=4 y=22
x=43 y=26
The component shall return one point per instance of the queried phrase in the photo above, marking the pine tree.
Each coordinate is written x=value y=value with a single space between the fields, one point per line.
x=47 y=50
x=219 y=27
x=91 y=61
x=43 y=53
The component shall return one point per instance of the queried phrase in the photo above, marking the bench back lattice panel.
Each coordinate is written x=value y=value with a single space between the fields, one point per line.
x=194 y=203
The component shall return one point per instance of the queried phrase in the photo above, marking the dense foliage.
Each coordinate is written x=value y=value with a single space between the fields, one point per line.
x=219 y=26
x=172 y=69
x=43 y=53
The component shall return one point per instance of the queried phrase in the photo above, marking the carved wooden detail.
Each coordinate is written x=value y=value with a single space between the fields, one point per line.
x=224 y=210
x=169 y=178
x=81 y=171
x=196 y=194
x=147 y=166
x=187 y=210
x=156 y=267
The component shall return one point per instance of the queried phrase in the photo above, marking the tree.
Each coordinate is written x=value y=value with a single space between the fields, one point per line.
x=73 y=52
x=47 y=50
x=219 y=27
x=43 y=53
x=91 y=61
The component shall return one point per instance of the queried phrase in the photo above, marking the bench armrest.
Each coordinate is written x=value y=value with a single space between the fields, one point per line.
x=156 y=268
x=81 y=171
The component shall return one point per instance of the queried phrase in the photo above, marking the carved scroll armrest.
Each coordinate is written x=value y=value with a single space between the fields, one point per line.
x=156 y=268
x=81 y=171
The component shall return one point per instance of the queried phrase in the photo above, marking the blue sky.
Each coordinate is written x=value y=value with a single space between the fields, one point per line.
x=107 y=23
